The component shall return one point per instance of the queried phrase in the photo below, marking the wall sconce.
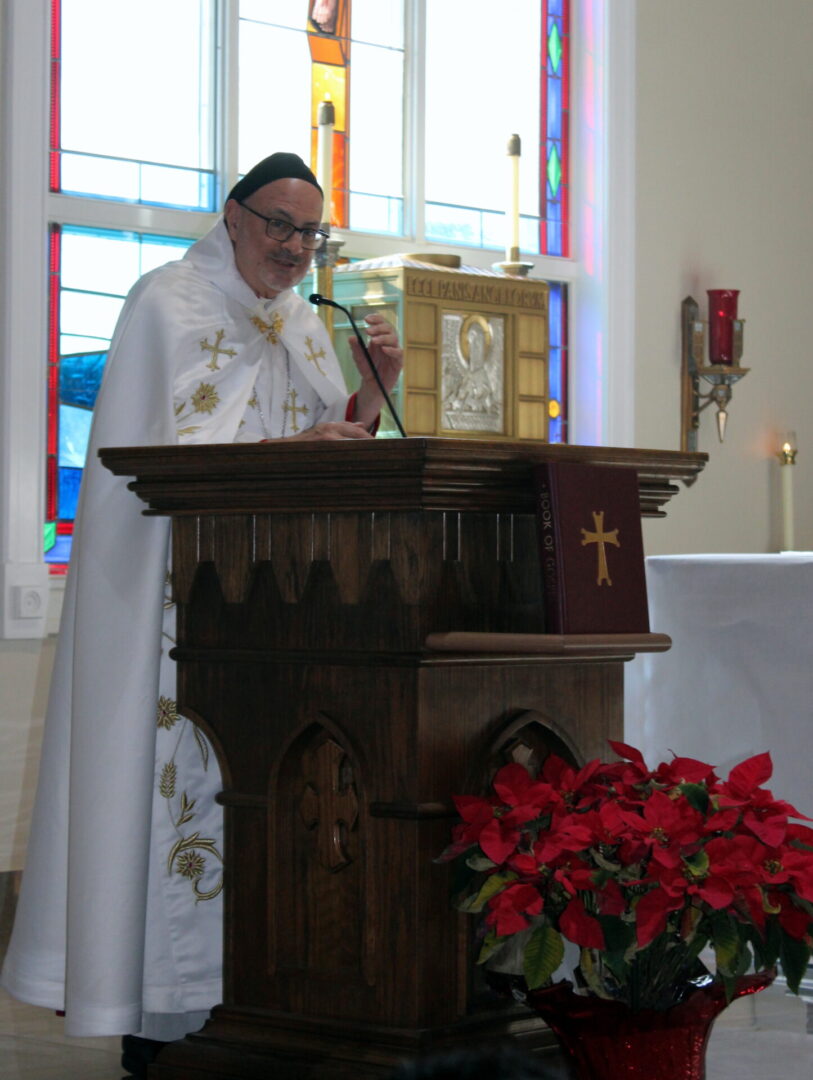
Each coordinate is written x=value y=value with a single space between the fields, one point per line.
x=723 y=369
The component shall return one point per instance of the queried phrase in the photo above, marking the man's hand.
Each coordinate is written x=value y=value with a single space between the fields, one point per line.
x=332 y=429
x=388 y=357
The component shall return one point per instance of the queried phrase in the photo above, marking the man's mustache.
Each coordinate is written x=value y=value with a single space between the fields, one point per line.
x=288 y=260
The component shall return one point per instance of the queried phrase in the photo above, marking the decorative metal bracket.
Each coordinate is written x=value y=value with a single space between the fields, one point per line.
x=721 y=377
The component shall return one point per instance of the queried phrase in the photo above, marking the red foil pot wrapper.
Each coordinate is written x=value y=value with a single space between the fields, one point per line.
x=722 y=313
x=606 y=1040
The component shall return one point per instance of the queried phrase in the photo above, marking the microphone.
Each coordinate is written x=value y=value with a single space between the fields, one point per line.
x=317 y=298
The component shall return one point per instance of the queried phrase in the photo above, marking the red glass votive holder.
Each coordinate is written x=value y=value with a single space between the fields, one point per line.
x=722 y=313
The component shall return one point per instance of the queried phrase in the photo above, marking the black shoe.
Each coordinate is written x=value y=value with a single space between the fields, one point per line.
x=137 y=1054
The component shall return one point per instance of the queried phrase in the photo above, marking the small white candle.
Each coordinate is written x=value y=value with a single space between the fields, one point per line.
x=324 y=151
x=514 y=152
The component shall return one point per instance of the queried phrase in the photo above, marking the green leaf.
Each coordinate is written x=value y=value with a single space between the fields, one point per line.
x=696 y=945
x=480 y=862
x=588 y=971
x=464 y=881
x=605 y=864
x=493 y=884
x=618 y=935
x=726 y=941
x=543 y=955
x=772 y=943
x=697 y=796
x=698 y=863
x=491 y=944
x=730 y=985
x=795 y=956
x=745 y=959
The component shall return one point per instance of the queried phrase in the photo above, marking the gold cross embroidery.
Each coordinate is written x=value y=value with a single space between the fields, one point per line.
x=601 y=538
x=215 y=350
x=314 y=356
x=292 y=407
x=271 y=330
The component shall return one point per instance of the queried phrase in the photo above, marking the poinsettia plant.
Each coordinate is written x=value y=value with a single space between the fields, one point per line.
x=636 y=872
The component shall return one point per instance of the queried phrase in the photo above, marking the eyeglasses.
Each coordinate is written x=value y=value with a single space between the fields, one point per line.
x=277 y=229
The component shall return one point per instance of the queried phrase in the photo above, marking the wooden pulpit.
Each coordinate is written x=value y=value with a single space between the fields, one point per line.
x=361 y=634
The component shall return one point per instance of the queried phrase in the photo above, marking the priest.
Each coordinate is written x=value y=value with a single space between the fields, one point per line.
x=119 y=917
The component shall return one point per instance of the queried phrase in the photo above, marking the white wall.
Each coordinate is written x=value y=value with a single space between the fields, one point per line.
x=724 y=182
x=25 y=672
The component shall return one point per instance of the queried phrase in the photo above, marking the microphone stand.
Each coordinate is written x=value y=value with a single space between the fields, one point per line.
x=317 y=298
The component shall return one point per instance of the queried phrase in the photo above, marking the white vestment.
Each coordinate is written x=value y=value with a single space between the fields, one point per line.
x=119 y=917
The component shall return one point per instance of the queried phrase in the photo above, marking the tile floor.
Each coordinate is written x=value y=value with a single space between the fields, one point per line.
x=762 y=1038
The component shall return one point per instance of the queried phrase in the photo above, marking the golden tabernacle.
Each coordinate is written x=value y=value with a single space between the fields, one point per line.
x=476 y=343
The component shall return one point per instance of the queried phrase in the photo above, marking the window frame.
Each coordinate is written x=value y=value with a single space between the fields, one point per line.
x=600 y=302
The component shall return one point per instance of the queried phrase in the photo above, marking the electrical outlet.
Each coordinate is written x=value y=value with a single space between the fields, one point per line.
x=29 y=601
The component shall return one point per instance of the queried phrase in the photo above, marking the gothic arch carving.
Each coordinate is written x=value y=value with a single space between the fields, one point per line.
x=528 y=737
x=316 y=845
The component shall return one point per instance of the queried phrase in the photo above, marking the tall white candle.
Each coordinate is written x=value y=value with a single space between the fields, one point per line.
x=787 y=458
x=787 y=508
x=324 y=151
x=512 y=245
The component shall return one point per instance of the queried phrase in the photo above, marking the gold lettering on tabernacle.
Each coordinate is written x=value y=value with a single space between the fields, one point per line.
x=477 y=292
x=601 y=539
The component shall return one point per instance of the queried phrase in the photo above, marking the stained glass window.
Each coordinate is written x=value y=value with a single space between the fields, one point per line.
x=134 y=121
x=91 y=272
x=554 y=232
x=424 y=163
x=557 y=363
x=312 y=60
x=486 y=82
x=479 y=97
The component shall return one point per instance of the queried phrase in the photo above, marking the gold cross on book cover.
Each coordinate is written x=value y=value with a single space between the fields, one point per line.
x=594 y=580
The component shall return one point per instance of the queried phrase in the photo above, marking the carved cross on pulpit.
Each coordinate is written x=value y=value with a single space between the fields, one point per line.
x=601 y=538
x=329 y=804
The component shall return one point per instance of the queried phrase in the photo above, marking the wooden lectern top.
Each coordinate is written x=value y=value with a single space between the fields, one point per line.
x=381 y=474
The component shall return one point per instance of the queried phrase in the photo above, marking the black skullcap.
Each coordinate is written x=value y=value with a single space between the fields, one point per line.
x=276 y=167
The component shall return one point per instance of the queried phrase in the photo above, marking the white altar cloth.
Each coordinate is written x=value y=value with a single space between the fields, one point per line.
x=738 y=679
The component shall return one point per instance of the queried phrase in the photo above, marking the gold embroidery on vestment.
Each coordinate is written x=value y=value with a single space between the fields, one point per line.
x=292 y=408
x=271 y=330
x=185 y=859
x=205 y=399
x=187 y=855
x=167 y=712
x=187 y=808
x=313 y=356
x=169 y=775
x=215 y=350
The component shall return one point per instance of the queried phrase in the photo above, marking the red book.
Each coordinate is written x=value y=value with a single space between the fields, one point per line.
x=589 y=523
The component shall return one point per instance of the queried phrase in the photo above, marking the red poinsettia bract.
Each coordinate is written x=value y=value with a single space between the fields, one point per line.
x=618 y=858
